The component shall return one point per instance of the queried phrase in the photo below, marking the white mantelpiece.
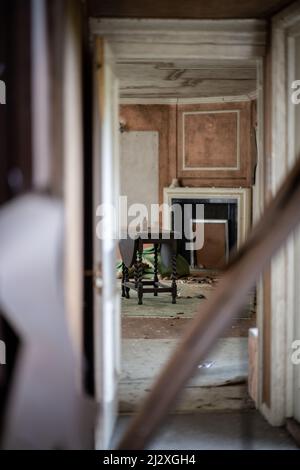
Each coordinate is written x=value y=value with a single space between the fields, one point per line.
x=242 y=196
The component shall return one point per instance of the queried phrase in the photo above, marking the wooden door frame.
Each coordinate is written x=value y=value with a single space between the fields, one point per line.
x=140 y=39
x=282 y=268
x=107 y=332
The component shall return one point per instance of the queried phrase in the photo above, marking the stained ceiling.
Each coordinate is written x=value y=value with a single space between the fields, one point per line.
x=201 y=9
x=186 y=79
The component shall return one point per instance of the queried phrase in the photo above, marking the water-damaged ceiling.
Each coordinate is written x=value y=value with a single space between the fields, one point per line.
x=186 y=79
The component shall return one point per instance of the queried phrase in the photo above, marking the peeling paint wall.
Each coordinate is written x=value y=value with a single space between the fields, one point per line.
x=166 y=120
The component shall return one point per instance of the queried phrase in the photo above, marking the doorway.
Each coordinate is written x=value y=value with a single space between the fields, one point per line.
x=162 y=92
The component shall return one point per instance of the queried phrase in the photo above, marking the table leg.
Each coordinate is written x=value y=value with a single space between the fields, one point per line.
x=140 y=274
x=174 y=277
x=127 y=289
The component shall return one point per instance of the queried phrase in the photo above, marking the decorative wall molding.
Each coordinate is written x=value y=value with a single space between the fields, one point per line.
x=149 y=101
x=213 y=99
x=219 y=99
x=185 y=165
x=225 y=158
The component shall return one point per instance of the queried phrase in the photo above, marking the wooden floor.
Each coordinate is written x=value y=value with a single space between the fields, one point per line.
x=151 y=331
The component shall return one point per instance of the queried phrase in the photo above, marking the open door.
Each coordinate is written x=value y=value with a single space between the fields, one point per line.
x=293 y=69
x=107 y=336
x=285 y=294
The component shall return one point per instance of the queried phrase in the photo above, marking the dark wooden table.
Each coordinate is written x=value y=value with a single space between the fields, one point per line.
x=131 y=249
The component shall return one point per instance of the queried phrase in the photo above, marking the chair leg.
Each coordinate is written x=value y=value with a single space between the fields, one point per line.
x=123 y=280
x=136 y=272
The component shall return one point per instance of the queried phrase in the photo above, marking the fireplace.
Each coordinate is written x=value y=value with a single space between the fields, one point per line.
x=225 y=219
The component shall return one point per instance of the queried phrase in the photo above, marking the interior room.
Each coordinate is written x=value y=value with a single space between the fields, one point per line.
x=188 y=137
x=149 y=227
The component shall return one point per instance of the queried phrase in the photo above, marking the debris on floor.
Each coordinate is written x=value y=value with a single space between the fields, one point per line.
x=200 y=280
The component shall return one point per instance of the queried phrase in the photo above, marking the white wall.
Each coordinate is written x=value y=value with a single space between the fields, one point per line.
x=139 y=167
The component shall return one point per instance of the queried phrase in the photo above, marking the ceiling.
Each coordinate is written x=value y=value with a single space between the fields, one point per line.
x=186 y=79
x=200 y=9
